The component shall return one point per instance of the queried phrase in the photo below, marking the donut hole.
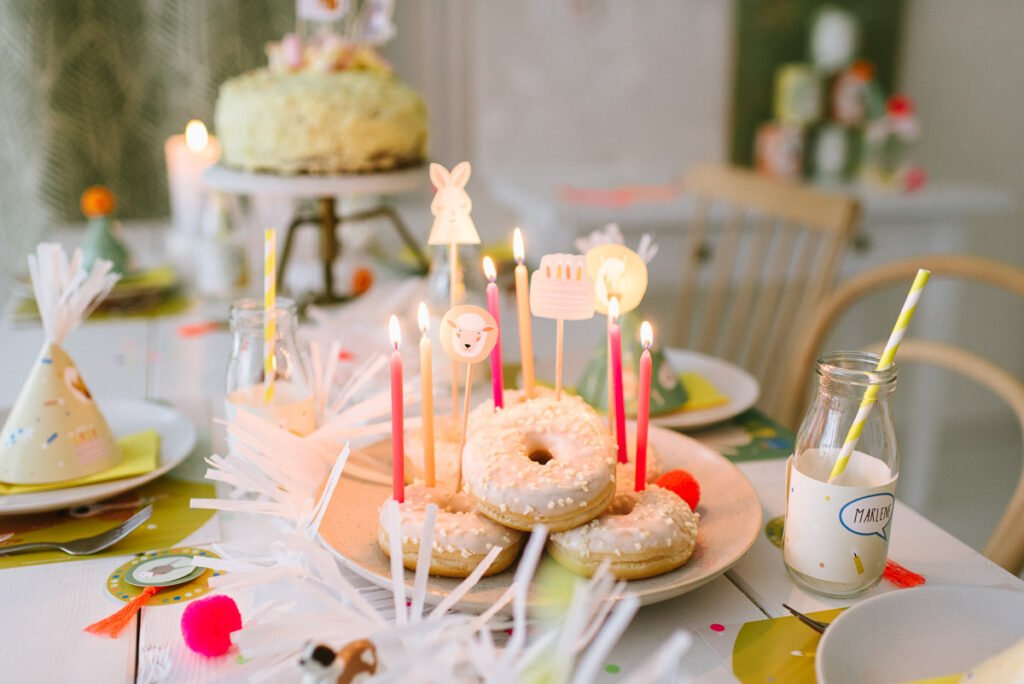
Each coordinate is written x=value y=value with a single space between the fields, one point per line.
x=622 y=504
x=540 y=456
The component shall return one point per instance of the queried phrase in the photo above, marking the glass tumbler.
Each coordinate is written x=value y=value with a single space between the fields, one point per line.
x=836 y=535
x=291 y=406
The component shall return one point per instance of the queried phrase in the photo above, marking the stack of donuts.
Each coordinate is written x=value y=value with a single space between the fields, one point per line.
x=541 y=460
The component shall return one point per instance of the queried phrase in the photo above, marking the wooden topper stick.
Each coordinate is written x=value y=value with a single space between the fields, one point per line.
x=559 y=336
x=465 y=423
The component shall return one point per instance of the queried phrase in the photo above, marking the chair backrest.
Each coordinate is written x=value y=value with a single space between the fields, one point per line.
x=1006 y=545
x=760 y=254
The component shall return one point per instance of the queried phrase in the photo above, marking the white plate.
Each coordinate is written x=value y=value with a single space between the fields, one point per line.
x=740 y=386
x=919 y=633
x=125 y=416
x=730 y=522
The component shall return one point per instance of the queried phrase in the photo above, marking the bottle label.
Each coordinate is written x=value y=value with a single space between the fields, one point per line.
x=838 y=533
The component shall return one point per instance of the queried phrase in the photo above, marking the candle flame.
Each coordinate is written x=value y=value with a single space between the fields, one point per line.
x=196 y=137
x=394 y=331
x=646 y=335
x=517 y=246
x=424 y=318
x=489 y=269
x=613 y=309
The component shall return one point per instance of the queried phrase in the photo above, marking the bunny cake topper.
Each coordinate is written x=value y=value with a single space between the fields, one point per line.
x=451 y=207
x=55 y=432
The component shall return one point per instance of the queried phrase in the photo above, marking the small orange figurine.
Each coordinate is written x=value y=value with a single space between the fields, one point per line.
x=100 y=241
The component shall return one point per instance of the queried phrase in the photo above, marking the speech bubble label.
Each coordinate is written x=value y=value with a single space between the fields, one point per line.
x=868 y=515
x=468 y=333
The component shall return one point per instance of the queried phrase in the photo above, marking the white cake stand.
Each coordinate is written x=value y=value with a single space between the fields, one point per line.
x=325 y=190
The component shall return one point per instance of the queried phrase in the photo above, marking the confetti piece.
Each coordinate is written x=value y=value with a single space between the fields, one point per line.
x=51 y=438
x=717 y=627
x=900 y=576
x=612 y=668
x=858 y=564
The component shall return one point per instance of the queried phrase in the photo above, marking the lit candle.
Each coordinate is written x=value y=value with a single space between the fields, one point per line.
x=427 y=391
x=397 y=415
x=188 y=155
x=523 y=311
x=615 y=343
x=643 y=406
x=497 y=374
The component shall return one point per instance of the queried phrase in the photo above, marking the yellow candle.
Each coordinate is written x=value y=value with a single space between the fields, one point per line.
x=523 y=310
x=427 y=392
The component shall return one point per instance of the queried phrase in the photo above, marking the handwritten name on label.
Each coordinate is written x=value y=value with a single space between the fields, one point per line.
x=868 y=515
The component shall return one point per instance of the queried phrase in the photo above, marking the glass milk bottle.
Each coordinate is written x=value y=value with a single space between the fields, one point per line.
x=837 y=532
x=291 y=406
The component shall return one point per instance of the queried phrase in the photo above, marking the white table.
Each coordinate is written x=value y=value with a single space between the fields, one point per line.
x=45 y=607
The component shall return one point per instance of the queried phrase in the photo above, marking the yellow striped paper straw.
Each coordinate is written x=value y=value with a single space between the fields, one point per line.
x=269 y=320
x=866 y=404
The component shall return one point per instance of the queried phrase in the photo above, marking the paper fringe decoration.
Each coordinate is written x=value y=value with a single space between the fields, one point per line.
x=611 y=234
x=65 y=293
x=312 y=600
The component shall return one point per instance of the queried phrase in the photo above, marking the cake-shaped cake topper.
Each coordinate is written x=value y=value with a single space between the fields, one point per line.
x=618 y=272
x=451 y=207
x=562 y=289
x=55 y=432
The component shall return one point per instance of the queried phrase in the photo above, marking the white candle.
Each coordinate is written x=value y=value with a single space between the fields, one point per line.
x=188 y=156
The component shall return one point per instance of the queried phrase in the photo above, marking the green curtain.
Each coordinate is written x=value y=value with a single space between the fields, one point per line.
x=90 y=89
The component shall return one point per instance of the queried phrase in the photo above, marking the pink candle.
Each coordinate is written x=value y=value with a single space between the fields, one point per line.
x=643 y=406
x=397 y=415
x=615 y=343
x=497 y=374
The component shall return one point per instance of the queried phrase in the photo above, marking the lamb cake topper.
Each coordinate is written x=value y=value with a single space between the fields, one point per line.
x=55 y=432
x=468 y=334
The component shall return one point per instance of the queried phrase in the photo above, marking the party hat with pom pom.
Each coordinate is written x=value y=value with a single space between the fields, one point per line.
x=55 y=432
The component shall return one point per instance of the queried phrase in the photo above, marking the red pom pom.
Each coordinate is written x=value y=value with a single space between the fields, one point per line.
x=683 y=484
x=207 y=624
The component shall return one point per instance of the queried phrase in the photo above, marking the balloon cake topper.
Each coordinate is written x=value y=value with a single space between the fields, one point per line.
x=451 y=207
x=618 y=272
x=468 y=333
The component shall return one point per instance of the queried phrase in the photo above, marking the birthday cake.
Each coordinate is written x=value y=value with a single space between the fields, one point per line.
x=326 y=106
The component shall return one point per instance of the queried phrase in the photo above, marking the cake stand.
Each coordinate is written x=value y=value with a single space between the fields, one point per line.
x=326 y=190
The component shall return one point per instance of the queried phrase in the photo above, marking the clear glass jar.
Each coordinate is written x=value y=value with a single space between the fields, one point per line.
x=836 y=536
x=291 y=406
x=470 y=283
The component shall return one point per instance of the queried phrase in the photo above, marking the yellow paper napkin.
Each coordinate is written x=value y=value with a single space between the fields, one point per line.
x=700 y=393
x=141 y=452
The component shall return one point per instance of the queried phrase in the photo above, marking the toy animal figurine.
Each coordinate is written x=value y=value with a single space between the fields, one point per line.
x=100 y=240
x=352 y=664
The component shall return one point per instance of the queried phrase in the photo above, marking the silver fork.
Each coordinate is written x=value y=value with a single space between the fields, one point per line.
x=88 y=545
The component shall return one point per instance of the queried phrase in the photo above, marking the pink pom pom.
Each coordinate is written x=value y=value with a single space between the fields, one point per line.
x=207 y=625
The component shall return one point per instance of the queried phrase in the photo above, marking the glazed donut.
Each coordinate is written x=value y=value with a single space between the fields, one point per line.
x=541 y=461
x=447 y=434
x=642 y=534
x=462 y=537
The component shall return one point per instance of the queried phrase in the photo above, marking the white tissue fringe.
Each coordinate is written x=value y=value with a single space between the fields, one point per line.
x=65 y=293
x=306 y=597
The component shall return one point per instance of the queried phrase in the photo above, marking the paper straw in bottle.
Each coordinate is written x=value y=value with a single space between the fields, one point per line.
x=269 y=319
x=868 y=402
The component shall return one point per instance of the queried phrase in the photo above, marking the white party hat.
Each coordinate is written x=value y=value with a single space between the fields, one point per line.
x=55 y=431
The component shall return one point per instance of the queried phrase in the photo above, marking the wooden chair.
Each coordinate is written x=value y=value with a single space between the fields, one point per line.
x=760 y=253
x=1006 y=545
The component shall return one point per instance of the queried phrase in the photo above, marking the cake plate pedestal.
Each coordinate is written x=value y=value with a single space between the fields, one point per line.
x=326 y=190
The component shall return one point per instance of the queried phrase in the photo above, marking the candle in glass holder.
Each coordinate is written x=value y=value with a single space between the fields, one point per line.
x=188 y=155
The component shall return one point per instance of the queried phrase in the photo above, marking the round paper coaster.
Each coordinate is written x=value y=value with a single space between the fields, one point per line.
x=170 y=568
